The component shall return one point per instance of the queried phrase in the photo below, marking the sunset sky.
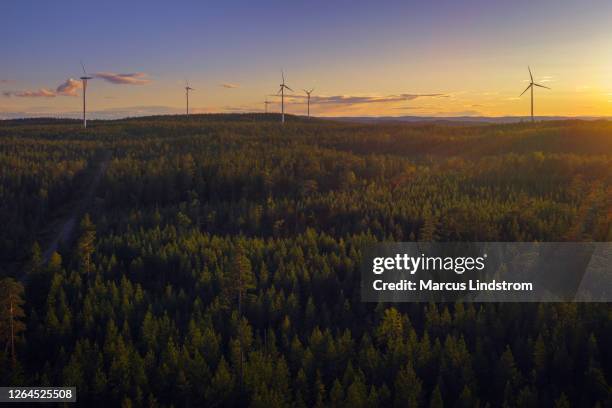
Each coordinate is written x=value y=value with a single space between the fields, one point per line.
x=443 y=58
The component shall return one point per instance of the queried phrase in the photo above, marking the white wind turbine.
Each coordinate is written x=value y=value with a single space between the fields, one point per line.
x=308 y=96
x=530 y=86
x=187 y=89
x=281 y=91
x=84 y=79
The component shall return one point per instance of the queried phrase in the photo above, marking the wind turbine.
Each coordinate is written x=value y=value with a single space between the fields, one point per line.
x=281 y=91
x=530 y=86
x=266 y=103
x=308 y=93
x=187 y=89
x=84 y=79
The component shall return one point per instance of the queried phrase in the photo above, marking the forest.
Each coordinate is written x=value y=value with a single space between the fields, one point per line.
x=216 y=262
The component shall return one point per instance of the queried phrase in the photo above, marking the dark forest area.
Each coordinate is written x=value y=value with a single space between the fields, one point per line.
x=217 y=261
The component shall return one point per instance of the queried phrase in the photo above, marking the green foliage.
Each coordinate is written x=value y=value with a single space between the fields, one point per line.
x=220 y=261
x=11 y=315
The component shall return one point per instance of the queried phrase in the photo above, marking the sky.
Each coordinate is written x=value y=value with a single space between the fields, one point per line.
x=363 y=58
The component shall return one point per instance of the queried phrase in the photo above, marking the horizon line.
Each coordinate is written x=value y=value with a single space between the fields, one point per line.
x=371 y=117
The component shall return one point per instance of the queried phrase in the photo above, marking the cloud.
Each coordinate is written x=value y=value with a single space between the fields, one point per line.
x=5 y=81
x=359 y=100
x=547 y=78
x=229 y=85
x=136 y=78
x=40 y=93
x=69 y=88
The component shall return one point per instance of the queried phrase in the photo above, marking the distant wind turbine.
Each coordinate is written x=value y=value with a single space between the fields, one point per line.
x=281 y=91
x=266 y=103
x=308 y=93
x=187 y=89
x=530 y=86
x=84 y=79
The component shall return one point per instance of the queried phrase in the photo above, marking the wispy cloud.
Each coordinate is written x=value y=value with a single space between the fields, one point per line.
x=71 y=86
x=136 y=78
x=230 y=85
x=547 y=78
x=66 y=88
x=359 y=100
x=40 y=93
x=5 y=81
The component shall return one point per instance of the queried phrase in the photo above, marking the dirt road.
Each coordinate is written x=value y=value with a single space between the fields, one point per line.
x=68 y=226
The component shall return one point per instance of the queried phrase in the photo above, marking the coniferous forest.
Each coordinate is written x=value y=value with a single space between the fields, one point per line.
x=214 y=261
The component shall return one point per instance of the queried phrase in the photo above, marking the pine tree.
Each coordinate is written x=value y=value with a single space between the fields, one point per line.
x=428 y=231
x=357 y=394
x=35 y=259
x=336 y=395
x=86 y=245
x=55 y=263
x=319 y=392
x=562 y=402
x=11 y=313
x=436 y=398
x=407 y=387
x=241 y=275
x=222 y=385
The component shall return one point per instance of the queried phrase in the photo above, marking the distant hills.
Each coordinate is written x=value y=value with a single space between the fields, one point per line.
x=460 y=119
x=448 y=120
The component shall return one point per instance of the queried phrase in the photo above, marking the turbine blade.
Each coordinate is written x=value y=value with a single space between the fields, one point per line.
x=288 y=88
x=531 y=76
x=541 y=86
x=283 y=74
x=526 y=89
x=83 y=66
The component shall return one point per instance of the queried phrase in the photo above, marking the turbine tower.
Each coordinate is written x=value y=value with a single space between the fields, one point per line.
x=530 y=86
x=281 y=91
x=308 y=96
x=187 y=89
x=266 y=103
x=84 y=79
